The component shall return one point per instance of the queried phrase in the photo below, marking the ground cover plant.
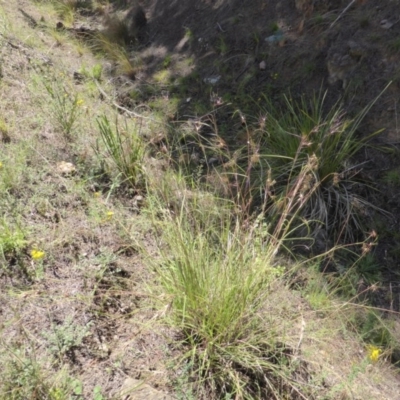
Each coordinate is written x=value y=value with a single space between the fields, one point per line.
x=142 y=256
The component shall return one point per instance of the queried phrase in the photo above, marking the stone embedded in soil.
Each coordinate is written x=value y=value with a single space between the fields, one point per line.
x=134 y=389
x=65 y=168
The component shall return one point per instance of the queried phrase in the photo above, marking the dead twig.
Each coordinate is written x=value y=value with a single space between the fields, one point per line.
x=341 y=14
x=116 y=105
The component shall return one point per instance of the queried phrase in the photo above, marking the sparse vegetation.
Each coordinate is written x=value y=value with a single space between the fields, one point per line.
x=151 y=231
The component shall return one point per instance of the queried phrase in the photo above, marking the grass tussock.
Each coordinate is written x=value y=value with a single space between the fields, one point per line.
x=303 y=134
x=65 y=105
x=126 y=150
x=126 y=64
x=217 y=274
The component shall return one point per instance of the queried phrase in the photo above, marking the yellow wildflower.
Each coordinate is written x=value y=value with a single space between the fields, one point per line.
x=374 y=353
x=79 y=102
x=37 y=254
x=1 y=165
x=109 y=215
x=97 y=195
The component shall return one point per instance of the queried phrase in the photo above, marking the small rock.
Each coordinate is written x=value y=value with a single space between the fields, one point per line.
x=262 y=65
x=212 y=80
x=385 y=24
x=133 y=389
x=65 y=168
x=276 y=38
x=138 y=200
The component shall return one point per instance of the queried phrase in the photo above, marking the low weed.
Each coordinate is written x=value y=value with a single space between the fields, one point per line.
x=13 y=239
x=66 y=337
x=392 y=177
x=24 y=377
x=375 y=330
x=93 y=73
x=4 y=131
x=395 y=45
x=222 y=46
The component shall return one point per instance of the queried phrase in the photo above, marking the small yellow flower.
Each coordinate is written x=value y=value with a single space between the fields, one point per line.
x=96 y=195
x=1 y=165
x=79 y=102
x=37 y=254
x=374 y=353
x=109 y=215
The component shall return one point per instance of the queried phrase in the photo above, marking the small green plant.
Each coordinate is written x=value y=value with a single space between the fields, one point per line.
x=97 y=71
x=13 y=168
x=24 y=378
x=395 y=44
x=222 y=46
x=317 y=20
x=12 y=238
x=375 y=330
x=117 y=30
x=4 y=134
x=189 y=34
x=369 y=269
x=274 y=27
x=364 y=21
x=65 y=105
x=66 y=9
x=182 y=384
x=167 y=61
x=308 y=68
x=125 y=148
x=77 y=388
x=98 y=394
x=94 y=73
x=392 y=177
x=66 y=337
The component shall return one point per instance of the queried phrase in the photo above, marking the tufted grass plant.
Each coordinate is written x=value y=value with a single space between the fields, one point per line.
x=303 y=133
x=125 y=149
x=124 y=62
x=217 y=272
x=65 y=105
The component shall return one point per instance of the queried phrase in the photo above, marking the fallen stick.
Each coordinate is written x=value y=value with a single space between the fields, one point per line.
x=341 y=14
